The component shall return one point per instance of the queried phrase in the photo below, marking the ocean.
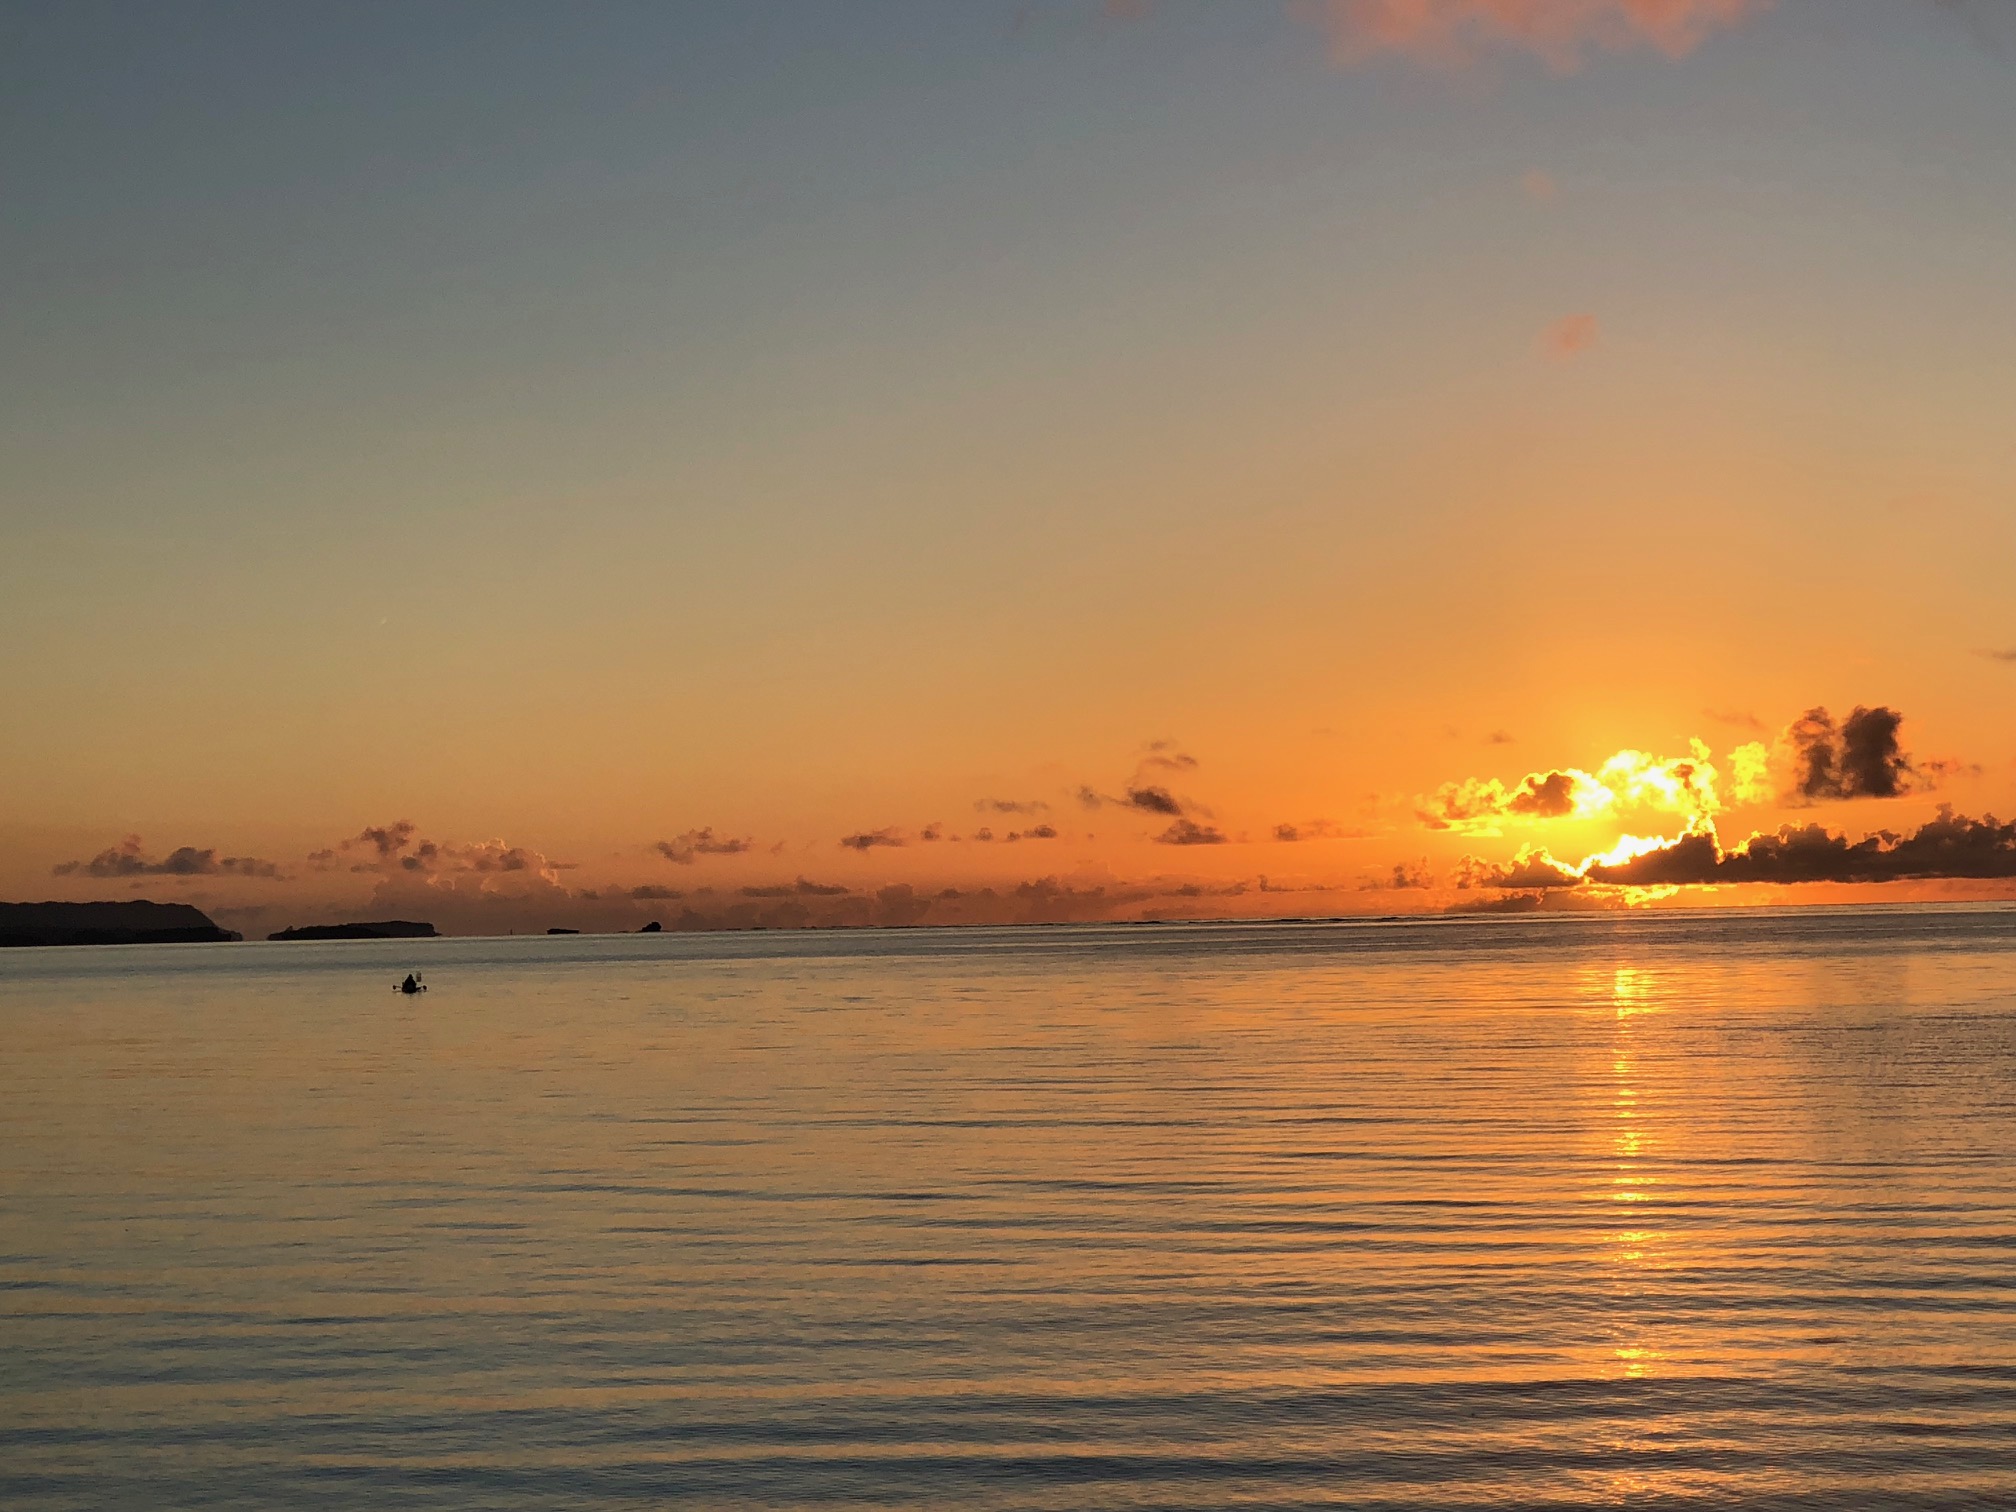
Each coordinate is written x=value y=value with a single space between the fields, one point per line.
x=1647 y=1210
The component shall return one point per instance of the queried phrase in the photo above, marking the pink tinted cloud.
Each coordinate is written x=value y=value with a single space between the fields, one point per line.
x=1455 y=32
x=1570 y=337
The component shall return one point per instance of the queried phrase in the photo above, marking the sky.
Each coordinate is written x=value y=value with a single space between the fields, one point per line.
x=938 y=461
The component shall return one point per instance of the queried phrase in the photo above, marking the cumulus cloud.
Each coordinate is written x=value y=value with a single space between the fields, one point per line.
x=386 y=839
x=1532 y=867
x=1627 y=780
x=1862 y=758
x=1403 y=877
x=1451 y=33
x=129 y=858
x=1477 y=804
x=868 y=840
x=1189 y=832
x=393 y=849
x=1951 y=845
x=685 y=849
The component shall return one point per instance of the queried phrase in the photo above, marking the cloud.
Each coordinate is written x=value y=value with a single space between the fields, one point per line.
x=1454 y=33
x=1860 y=759
x=129 y=859
x=1627 y=780
x=655 y=894
x=1476 y=804
x=394 y=850
x=2000 y=656
x=1737 y=718
x=867 y=840
x=1951 y=845
x=799 y=889
x=1153 y=800
x=1165 y=755
x=1187 y=832
x=934 y=831
x=687 y=848
x=1014 y=805
x=1317 y=829
x=1500 y=737
x=387 y=840
x=1404 y=877
x=1034 y=832
x=1570 y=337
x=1532 y=867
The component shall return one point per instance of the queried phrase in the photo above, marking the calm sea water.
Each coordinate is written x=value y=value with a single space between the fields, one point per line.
x=1650 y=1211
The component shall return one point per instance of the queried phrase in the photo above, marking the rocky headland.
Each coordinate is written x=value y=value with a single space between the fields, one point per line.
x=134 y=922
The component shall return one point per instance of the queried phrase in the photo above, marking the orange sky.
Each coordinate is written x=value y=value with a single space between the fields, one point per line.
x=782 y=428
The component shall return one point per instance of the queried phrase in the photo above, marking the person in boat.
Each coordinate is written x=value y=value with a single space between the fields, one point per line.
x=411 y=984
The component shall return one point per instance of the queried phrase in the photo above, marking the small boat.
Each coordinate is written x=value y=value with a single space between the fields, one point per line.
x=411 y=985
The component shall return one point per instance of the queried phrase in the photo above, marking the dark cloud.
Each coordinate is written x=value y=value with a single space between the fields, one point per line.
x=1860 y=759
x=1036 y=832
x=1547 y=797
x=1153 y=800
x=1530 y=869
x=1090 y=798
x=983 y=834
x=687 y=848
x=388 y=840
x=867 y=840
x=2001 y=656
x=1317 y=829
x=129 y=859
x=1500 y=737
x=1403 y=878
x=1016 y=805
x=932 y=832
x=799 y=889
x=899 y=906
x=1952 y=845
x=1188 y=832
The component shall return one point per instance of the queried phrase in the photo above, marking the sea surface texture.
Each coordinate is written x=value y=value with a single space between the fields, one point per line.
x=1657 y=1210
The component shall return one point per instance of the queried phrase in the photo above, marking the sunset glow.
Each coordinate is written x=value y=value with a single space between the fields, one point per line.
x=1328 y=459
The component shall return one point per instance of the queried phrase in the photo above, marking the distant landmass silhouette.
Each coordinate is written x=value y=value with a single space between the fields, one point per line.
x=383 y=929
x=134 y=922
x=563 y=931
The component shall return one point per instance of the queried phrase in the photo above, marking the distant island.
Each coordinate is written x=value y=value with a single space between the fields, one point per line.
x=137 y=922
x=383 y=929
